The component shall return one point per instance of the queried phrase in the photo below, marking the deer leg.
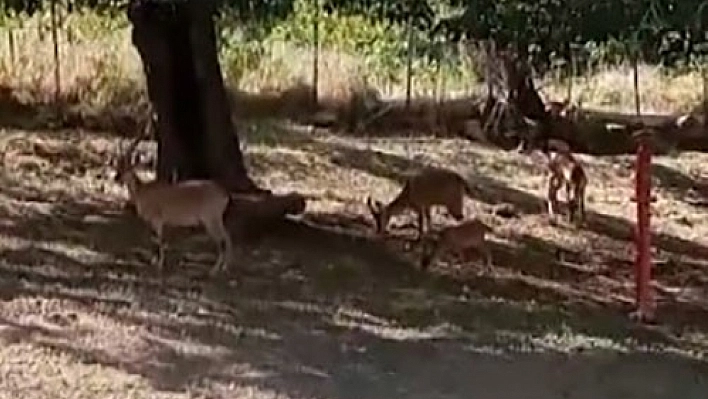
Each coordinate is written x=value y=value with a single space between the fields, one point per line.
x=551 y=197
x=221 y=237
x=159 y=232
x=456 y=210
x=463 y=254
x=423 y=219
x=582 y=206
x=429 y=253
x=571 y=200
x=487 y=254
x=580 y=195
x=428 y=218
x=555 y=185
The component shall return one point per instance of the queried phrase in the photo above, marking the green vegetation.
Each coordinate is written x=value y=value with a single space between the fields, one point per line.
x=84 y=313
x=269 y=46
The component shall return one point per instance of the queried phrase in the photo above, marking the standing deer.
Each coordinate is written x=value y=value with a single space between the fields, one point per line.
x=431 y=187
x=566 y=171
x=186 y=203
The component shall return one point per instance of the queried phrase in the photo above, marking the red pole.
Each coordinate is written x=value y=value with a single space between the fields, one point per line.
x=642 y=266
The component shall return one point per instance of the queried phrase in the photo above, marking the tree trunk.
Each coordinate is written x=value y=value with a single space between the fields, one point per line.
x=526 y=101
x=196 y=138
x=195 y=135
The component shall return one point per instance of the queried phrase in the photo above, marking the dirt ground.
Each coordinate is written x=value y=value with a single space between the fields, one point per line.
x=322 y=309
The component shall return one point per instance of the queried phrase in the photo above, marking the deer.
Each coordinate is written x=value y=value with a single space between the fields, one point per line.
x=184 y=203
x=566 y=170
x=428 y=188
x=560 y=109
x=459 y=239
x=556 y=126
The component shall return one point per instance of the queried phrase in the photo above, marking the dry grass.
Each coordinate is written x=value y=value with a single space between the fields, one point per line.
x=324 y=310
x=102 y=70
x=613 y=89
x=95 y=71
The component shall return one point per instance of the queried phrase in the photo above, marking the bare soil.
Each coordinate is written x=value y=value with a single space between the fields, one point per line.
x=320 y=308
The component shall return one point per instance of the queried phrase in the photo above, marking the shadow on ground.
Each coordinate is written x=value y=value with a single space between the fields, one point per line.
x=309 y=311
x=673 y=181
x=487 y=190
x=351 y=320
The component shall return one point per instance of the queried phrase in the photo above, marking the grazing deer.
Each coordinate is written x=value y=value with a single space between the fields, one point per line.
x=430 y=187
x=566 y=171
x=186 y=203
x=460 y=239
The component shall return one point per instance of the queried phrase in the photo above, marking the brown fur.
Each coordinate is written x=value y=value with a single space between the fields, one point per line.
x=559 y=108
x=186 y=203
x=566 y=171
x=431 y=187
x=460 y=239
x=560 y=146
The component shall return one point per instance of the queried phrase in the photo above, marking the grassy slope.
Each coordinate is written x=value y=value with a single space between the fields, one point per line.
x=323 y=310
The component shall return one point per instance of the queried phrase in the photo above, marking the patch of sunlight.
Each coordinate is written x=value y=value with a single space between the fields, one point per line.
x=104 y=296
x=226 y=325
x=192 y=347
x=569 y=341
x=76 y=252
x=440 y=331
x=302 y=307
x=46 y=271
x=357 y=314
x=188 y=324
x=261 y=333
x=221 y=389
x=696 y=338
x=48 y=373
x=12 y=243
x=264 y=149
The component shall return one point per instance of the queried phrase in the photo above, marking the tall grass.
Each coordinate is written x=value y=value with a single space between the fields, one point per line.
x=100 y=68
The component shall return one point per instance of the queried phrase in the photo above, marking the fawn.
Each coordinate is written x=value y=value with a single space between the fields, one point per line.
x=460 y=239
x=566 y=171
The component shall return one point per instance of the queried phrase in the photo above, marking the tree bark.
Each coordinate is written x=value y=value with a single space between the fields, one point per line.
x=526 y=100
x=196 y=137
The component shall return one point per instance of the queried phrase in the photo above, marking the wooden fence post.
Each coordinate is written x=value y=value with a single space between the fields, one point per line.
x=409 y=61
x=316 y=55
x=55 y=43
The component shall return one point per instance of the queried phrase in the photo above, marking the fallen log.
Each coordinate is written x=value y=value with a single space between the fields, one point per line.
x=604 y=132
x=647 y=120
